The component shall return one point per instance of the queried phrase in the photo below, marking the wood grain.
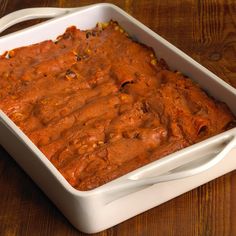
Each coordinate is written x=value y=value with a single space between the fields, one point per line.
x=205 y=30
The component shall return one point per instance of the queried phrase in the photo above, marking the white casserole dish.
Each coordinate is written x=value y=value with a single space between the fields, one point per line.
x=95 y=210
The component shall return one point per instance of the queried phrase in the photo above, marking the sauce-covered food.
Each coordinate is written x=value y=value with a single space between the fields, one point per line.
x=100 y=105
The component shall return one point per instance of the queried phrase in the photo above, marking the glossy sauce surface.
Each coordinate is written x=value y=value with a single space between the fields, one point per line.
x=100 y=105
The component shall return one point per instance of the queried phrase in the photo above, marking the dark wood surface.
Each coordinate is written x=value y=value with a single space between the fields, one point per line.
x=205 y=30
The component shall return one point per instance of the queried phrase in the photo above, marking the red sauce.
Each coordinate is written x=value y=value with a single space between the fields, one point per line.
x=100 y=105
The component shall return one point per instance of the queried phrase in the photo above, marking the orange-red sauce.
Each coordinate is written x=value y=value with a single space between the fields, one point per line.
x=100 y=105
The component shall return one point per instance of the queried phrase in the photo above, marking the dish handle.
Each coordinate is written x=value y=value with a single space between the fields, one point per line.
x=186 y=169
x=33 y=13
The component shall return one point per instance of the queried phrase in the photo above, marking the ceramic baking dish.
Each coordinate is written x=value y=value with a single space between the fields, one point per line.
x=98 y=209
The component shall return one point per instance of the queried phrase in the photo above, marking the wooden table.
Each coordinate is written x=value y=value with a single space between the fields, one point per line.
x=205 y=30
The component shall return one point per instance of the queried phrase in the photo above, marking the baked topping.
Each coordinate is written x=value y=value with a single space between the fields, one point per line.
x=100 y=105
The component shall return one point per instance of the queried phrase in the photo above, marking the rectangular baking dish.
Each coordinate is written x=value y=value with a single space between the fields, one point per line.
x=95 y=210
